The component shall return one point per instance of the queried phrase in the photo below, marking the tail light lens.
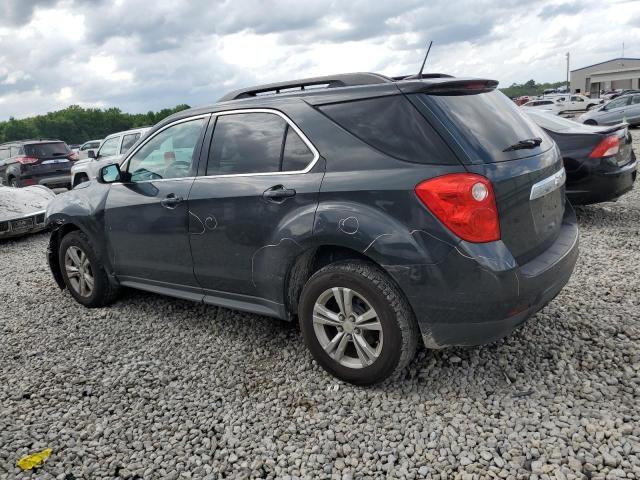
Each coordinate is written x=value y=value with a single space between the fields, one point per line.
x=465 y=203
x=27 y=160
x=607 y=147
x=73 y=156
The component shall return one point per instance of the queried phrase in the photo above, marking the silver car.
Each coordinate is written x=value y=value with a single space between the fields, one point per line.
x=621 y=109
x=111 y=150
x=22 y=210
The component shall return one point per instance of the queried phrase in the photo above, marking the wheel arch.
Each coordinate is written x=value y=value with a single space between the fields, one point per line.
x=313 y=259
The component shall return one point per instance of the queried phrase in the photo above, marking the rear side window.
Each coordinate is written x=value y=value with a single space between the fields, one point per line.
x=393 y=126
x=40 y=150
x=128 y=141
x=486 y=124
x=296 y=155
x=4 y=153
x=247 y=143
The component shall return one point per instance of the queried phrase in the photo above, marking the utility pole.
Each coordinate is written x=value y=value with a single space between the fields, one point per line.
x=568 y=90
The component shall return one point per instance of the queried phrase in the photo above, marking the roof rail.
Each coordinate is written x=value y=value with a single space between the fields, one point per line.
x=330 y=81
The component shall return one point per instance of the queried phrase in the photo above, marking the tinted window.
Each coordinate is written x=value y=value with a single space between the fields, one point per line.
x=487 y=123
x=57 y=149
x=109 y=147
x=393 y=126
x=128 y=141
x=167 y=155
x=296 y=155
x=246 y=143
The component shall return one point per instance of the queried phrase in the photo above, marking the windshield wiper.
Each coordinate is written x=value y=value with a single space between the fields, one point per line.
x=522 y=144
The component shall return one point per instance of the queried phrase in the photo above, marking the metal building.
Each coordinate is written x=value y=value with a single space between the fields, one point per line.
x=610 y=75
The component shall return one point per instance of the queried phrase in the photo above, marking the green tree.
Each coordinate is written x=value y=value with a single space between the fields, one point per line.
x=76 y=124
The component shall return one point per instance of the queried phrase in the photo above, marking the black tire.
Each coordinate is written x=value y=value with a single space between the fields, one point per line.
x=103 y=291
x=13 y=182
x=400 y=332
x=590 y=122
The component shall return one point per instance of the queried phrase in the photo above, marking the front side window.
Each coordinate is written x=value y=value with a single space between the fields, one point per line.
x=14 y=151
x=4 y=153
x=128 y=141
x=169 y=154
x=636 y=99
x=617 y=103
x=109 y=147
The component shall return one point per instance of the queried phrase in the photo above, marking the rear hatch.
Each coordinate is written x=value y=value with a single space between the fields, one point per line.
x=53 y=158
x=494 y=139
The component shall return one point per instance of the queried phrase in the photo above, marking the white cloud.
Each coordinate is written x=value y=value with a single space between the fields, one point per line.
x=128 y=54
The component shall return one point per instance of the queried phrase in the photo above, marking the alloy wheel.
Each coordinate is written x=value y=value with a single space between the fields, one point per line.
x=79 y=272
x=347 y=327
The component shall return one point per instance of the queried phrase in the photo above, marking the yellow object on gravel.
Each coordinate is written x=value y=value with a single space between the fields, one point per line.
x=33 y=461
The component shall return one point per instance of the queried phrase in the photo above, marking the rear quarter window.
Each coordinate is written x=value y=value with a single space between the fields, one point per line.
x=393 y=126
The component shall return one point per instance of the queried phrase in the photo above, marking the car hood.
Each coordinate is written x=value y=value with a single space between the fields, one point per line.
x=90 y=162
x=18 y=202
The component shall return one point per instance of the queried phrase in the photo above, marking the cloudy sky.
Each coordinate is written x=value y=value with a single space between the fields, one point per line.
x=141 y=55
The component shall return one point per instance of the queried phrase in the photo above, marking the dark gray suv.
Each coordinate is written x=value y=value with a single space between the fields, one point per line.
x=376 y=211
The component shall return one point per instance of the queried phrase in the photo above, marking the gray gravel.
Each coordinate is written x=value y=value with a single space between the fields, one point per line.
x=161 y=388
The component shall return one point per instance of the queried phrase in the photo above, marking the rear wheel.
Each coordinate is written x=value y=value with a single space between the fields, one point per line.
x=356 y=322
x=83 y=274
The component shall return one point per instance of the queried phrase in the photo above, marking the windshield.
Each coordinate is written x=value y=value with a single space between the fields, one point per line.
x=486 y=125
x=40 y=150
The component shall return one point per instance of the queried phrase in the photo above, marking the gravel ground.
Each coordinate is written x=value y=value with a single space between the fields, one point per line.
x=160 y=388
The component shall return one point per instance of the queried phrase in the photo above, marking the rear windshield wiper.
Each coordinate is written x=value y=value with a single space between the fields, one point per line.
x=522 y=144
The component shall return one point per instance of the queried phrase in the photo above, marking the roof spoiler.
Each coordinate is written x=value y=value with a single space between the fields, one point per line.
x=446 y=86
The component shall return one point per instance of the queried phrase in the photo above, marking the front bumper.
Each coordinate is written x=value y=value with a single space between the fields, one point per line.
x=601 y=185
x=31 y=223
x=472 y=299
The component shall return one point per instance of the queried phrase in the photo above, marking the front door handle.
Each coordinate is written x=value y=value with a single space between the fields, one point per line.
x=279 y=193
x=171 y=201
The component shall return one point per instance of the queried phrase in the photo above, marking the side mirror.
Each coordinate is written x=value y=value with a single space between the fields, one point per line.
x=110 y=174
x=91 y=154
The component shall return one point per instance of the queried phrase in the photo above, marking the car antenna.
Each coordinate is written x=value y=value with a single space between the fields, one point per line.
x=425 y=60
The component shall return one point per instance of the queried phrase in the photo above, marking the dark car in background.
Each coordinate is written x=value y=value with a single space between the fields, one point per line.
x=600 y=162
x=375 y=211
x=36 y=162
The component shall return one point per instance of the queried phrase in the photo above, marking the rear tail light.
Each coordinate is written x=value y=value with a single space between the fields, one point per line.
x=73 y=156
x=607 y=147
x=27 y=160
x=465 y=203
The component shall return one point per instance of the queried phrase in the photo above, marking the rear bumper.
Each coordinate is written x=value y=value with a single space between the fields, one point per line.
x=51 y=181
x=602 y=186
x=470 y=299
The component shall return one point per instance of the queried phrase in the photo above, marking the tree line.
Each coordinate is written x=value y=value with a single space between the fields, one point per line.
x=530 y=88
x=77 y=125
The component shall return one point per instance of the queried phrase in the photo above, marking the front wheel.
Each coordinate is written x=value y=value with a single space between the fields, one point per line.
x=590 y=122
x=357 y=323
x=83 y=274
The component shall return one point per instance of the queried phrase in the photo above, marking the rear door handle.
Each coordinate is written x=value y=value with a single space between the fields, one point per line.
x=279 y=193
x=171 y=201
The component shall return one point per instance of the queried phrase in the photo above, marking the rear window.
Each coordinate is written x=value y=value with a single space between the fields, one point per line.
x=486 y=124
x=40 y=150
x=393 y=126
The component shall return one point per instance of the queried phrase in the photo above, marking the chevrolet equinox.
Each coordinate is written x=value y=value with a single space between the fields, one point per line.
x=375 y=211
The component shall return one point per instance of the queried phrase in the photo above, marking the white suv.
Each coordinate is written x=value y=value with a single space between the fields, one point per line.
x=111 y=150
